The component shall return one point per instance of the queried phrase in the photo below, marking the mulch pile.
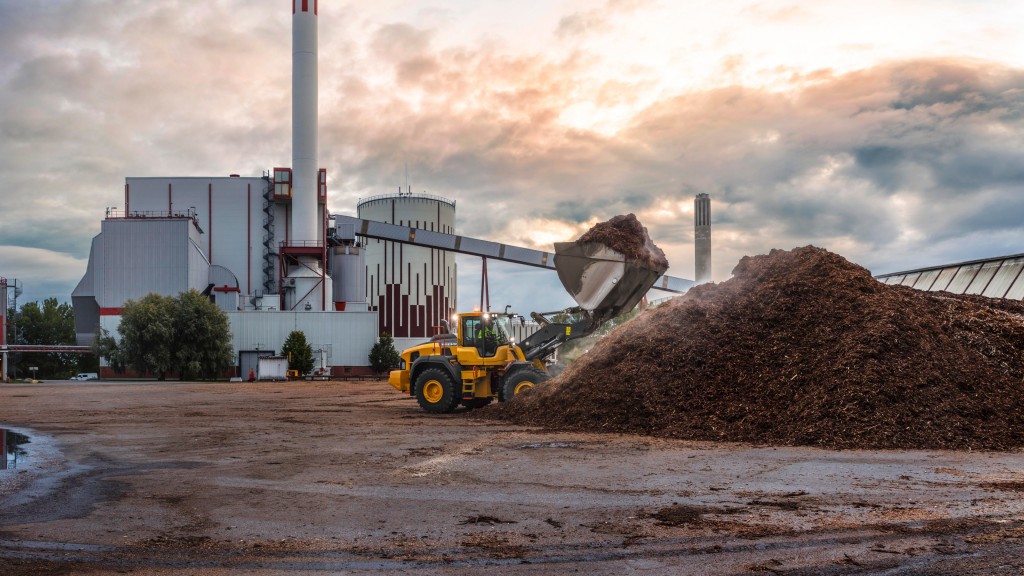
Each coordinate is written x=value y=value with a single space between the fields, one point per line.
x=801 y=347
x=626 y=235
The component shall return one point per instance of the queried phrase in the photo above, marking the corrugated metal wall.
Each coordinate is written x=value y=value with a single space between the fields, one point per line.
x=143 y=256
x=347 y=336
x=995 y=277
x=230 y=212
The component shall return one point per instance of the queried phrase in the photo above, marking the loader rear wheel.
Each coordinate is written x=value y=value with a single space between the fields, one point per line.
x=436 y=391
x=520 y=381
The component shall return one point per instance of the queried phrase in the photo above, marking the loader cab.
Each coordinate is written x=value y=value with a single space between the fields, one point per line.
x=485 y=331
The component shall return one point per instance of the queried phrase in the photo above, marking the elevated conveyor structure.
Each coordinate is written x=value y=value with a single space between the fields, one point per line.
x=1000 y=277
x=474 y=247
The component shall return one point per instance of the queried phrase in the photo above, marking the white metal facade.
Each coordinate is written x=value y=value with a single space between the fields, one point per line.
x=411 y=287
x=1001 y=277
x=347 y=337
x=230 y=212
x=143 y=256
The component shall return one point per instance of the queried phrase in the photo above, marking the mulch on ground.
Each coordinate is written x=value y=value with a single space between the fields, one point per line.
x=801 y=347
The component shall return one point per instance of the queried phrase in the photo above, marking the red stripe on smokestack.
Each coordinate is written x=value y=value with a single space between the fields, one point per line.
x=305 y=5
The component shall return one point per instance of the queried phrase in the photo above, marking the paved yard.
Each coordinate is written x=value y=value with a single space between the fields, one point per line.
x=351 y=477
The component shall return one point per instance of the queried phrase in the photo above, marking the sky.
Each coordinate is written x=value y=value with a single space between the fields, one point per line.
x=891 y=133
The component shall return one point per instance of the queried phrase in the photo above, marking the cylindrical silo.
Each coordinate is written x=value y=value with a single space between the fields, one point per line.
x=412 y=288
x=348 y=270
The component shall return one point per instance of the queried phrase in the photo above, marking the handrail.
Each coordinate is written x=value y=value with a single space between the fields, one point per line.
x=398 y=195
x=301 y=244
x=114 y=213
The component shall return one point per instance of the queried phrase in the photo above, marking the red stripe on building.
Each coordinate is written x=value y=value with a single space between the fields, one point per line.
x=248 y=241
x=209 y=220
x=305 y=5
x=110 y=311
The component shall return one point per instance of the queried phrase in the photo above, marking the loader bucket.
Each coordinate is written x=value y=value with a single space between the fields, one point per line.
x=602 y=281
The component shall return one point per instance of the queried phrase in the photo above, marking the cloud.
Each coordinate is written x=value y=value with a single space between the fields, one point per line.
x=865 y=162
x=42 y=273
x=598 y=20
x=884 y=163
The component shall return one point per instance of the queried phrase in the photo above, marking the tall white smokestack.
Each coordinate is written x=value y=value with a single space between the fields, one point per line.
x=307 y=285
x=304 y=222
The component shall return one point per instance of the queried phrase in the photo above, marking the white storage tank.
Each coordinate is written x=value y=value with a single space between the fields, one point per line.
x=411 y=288
x=348 y=271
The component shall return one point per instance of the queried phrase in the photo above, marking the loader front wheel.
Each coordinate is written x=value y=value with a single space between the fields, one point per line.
x=436 y=392
x=520 y=381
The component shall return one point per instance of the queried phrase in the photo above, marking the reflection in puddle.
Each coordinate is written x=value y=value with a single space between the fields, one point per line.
x=11 y=447
x=547 y=445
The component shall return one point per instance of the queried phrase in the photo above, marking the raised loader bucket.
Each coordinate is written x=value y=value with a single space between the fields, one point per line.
x=602 y=281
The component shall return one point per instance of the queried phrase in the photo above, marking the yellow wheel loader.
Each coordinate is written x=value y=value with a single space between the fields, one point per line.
x=479 y=361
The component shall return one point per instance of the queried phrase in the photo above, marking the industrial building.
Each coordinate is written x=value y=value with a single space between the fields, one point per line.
x=264 y=250
x=268 y=251
x=232 y=238
x=1000 y=277
x=412 y=288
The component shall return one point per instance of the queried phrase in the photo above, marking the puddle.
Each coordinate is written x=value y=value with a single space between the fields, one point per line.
x=547 y=445
x=12 y=445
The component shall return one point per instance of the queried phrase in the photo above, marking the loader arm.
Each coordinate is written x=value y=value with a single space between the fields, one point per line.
x=551 y=335
x=604 y=283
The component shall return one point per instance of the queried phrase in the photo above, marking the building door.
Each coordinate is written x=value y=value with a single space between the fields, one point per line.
x=247 y=360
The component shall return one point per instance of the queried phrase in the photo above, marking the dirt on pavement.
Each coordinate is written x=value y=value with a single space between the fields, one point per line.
x=351 y=477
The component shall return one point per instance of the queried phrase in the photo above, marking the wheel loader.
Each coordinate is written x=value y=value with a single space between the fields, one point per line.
x=479 y=361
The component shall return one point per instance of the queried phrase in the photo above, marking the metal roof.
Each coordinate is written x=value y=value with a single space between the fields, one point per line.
x=1000 y=277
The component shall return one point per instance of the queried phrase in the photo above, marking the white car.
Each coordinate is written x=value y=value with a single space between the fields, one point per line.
x=86 y=376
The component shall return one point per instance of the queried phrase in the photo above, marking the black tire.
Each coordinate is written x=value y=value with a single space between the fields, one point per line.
x=436 y=391
x=518 y=381
x=477 y=402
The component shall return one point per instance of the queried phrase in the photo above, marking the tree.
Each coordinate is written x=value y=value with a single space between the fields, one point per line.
x=105 y=346
x=299 y=352
x=48 y=324
x=383 y=355
x=147 y=335
x=186 y=334
x=202 y=337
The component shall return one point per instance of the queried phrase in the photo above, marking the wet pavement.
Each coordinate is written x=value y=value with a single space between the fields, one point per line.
x=322 y=477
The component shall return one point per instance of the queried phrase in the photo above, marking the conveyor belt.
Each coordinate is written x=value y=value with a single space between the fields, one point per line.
x=472 y=246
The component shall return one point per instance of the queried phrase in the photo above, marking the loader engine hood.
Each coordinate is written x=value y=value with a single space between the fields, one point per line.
x=603 y=282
